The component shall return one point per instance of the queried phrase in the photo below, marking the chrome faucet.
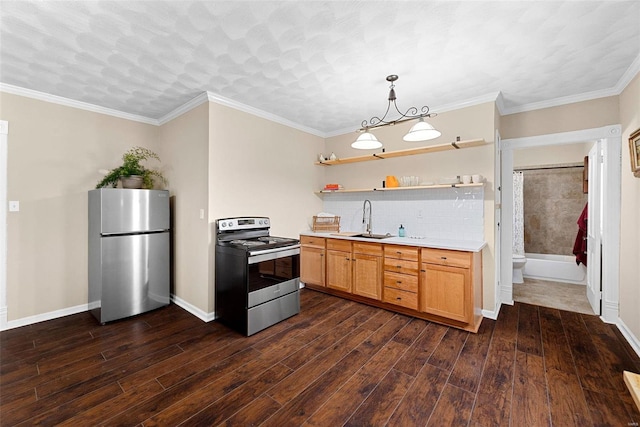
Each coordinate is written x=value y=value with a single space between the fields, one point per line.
x=364 y=210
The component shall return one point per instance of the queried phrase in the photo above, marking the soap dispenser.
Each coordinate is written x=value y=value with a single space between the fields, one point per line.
x=401 y=231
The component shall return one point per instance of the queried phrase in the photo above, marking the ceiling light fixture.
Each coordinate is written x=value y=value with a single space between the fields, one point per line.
x=421 y=131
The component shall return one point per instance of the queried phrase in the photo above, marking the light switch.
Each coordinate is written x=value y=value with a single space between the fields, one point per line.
x=14 y=206
x=201 y=213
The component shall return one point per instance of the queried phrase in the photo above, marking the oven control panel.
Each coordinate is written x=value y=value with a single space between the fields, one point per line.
x=242 y=223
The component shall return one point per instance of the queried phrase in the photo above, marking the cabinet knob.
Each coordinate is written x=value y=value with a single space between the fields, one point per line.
x=398 y=281
x=398 y=266
x=398 y=298
x=347 y=259
x=443 y=257
x=424 y=271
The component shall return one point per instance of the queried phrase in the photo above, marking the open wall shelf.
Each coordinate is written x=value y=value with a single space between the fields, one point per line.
x=401 y=153
x=414 y=187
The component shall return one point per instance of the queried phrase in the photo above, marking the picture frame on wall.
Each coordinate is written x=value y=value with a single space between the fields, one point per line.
x=634 y=152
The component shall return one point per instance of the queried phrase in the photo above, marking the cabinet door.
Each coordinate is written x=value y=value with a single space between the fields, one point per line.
x=339 y=270
x=367 y=275
x=444 y=291
x=312 y=265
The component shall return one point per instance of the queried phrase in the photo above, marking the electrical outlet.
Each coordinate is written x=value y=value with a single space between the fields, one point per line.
x=14 y=206
x=419 y=213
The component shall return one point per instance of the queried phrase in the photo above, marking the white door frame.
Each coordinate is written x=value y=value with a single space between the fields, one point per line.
x=4 y=135
x=611 y=143
x=594 y=230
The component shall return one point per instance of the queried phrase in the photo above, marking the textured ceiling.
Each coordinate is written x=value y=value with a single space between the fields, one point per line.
x=321 y=65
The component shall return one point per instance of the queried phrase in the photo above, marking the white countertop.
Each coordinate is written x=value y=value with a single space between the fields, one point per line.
x=455 y=245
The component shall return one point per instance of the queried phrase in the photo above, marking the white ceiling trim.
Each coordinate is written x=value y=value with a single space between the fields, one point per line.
x=29 y=93
x=187 y=106
x=564 y=100
x=261 y=113
x=622 y=83
x=482 y=99
x=628 y=75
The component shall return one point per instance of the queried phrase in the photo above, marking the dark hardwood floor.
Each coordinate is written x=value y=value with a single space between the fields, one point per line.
x=336 y=363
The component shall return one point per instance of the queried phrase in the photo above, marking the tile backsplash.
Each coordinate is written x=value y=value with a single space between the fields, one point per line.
x=439 y=213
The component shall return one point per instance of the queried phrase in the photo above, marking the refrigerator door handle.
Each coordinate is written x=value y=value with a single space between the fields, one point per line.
x=133 y=234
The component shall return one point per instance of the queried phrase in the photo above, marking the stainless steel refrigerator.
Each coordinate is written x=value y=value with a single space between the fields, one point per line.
x=129 y=260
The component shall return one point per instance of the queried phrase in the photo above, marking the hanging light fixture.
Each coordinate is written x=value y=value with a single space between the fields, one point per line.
x=421 y=131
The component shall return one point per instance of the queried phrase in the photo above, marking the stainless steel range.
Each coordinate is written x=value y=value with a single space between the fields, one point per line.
x=257 y=275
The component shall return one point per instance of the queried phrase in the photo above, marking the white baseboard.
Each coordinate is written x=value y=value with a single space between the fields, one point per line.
x=3 y=318
x=631 y=339
x=200 y=314
x=41 y=317
x=492 y=314
x=609 y=312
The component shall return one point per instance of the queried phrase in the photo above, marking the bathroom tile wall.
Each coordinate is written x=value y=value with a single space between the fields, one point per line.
x=440 y=213
x=553 y=201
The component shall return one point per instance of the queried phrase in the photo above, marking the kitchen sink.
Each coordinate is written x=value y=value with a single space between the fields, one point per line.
x=373 y=236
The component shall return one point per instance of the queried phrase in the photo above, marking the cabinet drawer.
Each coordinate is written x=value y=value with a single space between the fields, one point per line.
x=402 y=298
x=401 y=252
x=446 y=257
x=339 y=245
x=401 y=281
x=367 y=248
x=401 y=266
x=312 y=241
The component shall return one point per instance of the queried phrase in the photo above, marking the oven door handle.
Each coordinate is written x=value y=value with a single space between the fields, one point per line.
x=269 y=254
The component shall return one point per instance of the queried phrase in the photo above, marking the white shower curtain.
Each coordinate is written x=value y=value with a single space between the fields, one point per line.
x=518 y=213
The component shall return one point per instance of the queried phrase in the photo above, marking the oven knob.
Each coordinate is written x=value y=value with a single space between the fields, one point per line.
x=261 y=222
x=266 y=222
x=224 y=224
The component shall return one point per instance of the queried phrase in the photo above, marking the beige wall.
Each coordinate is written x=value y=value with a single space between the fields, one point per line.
x=468 y=123
x=184 y=148
x=54 y=154
x=630 y=213
x=551 y=155
x=262 y=168
x=580 y=115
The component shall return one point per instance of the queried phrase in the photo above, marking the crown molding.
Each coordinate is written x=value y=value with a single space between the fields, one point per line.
x=482 y=99
x=628 y=75
x=261 y=113
x=622 y=83
x=564 y=100
x=67 y=102
x=187 y=106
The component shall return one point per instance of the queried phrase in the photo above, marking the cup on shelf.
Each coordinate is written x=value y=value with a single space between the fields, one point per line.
x=476 y=178
x=466 y=179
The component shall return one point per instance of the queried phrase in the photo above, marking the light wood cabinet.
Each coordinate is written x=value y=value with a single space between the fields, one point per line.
x=440 y=285
x=312 y=260
x=401 y=276
x=354 y=267
x=367 y=270
x=339 y=265
x=450 y=284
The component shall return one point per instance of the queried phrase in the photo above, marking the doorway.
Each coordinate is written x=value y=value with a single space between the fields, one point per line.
x=608 y=187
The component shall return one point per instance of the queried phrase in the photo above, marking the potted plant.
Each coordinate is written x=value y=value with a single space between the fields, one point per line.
x=131 y=173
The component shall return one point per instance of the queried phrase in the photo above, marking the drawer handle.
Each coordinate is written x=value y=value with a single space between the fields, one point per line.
x=399 y=253
x=398 y=298
x=443 y=257
x=347 y=259
x=398 y=281
x=398 y=266
x=424 y=271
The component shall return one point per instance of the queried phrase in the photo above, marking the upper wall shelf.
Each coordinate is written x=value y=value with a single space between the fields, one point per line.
x=416 y=187
x=401 y=153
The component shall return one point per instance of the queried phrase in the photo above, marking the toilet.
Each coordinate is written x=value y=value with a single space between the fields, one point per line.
x=518 y=265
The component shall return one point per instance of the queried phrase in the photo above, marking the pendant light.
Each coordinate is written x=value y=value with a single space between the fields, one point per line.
x=366 y=141
x=421 y=131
